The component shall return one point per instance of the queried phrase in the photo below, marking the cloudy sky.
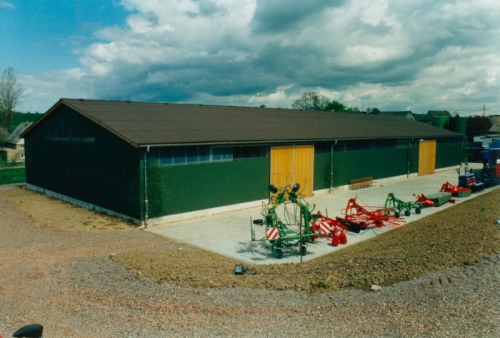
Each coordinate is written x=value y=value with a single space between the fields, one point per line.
x=414 y=55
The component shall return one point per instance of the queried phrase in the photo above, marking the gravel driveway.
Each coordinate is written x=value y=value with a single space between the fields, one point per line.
x=66 y=281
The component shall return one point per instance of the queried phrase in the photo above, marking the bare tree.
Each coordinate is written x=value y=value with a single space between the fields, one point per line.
x=4 y=117
x=310 y=101
x=10 y=90
x=4 y=133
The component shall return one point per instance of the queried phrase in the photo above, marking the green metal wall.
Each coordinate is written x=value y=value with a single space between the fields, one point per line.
x=105 y=172
x=209 y=185
x=381 y=163
x=377 y=163
x=322 y=165
x=448 y=155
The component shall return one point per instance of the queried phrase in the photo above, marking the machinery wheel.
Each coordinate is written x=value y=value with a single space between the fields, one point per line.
x=397 y=214
x=279 y=253
x=407 y=213
x=418 y=210
x=303 y=250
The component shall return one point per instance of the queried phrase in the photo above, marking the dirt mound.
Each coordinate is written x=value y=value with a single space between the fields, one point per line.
x=462 y=234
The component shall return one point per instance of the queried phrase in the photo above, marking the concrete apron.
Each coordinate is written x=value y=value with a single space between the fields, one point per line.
x=229 y=234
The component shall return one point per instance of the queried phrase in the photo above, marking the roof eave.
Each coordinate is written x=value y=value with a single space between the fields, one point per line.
x=98 y=122
x=45 y=116
x=62 y=102
x=281 y=141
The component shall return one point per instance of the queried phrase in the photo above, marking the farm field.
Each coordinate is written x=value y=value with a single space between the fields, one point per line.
x=23 y=117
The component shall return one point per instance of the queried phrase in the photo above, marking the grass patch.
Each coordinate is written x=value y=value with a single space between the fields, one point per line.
x=10 y=175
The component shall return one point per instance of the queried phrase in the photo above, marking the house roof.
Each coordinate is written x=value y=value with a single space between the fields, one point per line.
x=403 y=113
x=15 y=137
x=432 y=113
x=495 y=124
x=142 y=124
x=420 y=117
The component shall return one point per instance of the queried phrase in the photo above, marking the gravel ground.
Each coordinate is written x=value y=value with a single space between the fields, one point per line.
x=66 y=281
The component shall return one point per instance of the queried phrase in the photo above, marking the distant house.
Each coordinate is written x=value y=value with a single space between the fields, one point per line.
x=407 y=114
x=13 y=149
x=437 y=118
x=432 y=113
x=493 y=133
x=495 y=125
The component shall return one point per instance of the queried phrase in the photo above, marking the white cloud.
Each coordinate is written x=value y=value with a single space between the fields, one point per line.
x=359 y=55
x=385 y=53
x=43 y=90
x=5 y=4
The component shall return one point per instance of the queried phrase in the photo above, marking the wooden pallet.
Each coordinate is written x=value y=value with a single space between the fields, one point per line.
x=363 y=182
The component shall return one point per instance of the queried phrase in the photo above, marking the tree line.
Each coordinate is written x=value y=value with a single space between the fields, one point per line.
x=314 y=101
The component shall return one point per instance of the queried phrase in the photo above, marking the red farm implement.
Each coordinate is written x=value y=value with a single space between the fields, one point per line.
x=329 y=227
x=424 y=201
x=455 y=190
x=359 y=217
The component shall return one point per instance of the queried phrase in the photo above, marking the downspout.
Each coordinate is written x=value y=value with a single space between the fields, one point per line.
x=146 y=202
x=462 y=152
x=331 y=166
x=409 y=144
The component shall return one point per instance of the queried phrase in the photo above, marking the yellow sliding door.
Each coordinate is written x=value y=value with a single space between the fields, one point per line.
x=293 y=164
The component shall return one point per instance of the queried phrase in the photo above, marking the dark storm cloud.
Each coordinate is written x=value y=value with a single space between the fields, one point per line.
x=280 y=15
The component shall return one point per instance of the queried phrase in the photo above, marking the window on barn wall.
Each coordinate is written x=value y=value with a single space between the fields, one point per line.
x=359 y=145
x=203 y=154
x=193 y=155
x=322 y=147
x=184 y=155
x=450 y=141
x=339 y=147
x=220 y=154
x=179 y=155
x=385 y=144
x=249 y=152
x=354 y=145
x=68 y=135
x=402 y=143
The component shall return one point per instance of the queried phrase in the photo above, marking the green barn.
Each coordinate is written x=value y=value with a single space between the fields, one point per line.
x=156 y=162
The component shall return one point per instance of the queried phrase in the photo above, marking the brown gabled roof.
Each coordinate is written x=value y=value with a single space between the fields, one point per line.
x=142 y=124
